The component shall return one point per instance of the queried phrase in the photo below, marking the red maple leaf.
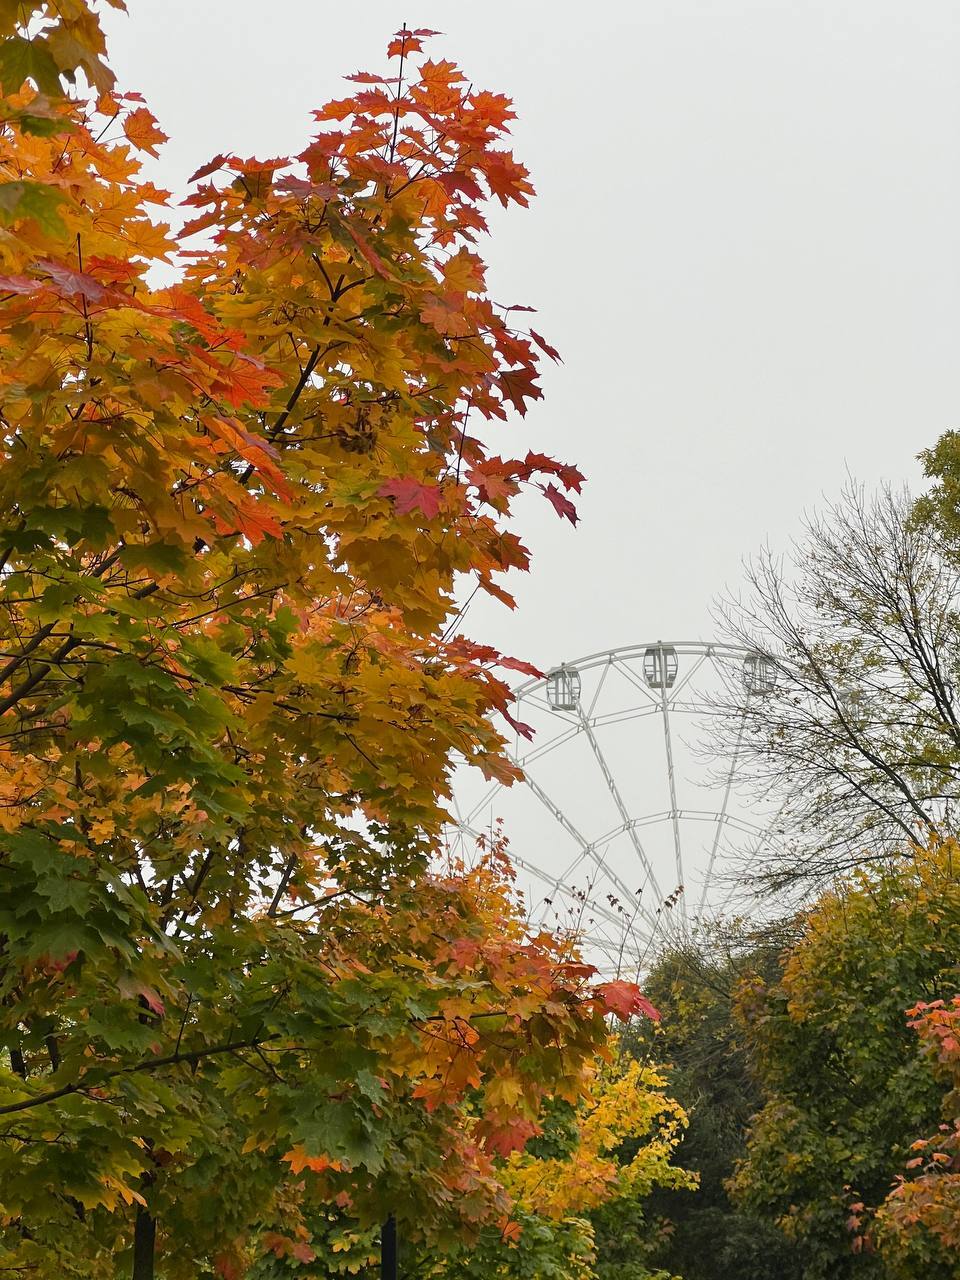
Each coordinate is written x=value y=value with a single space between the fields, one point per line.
x=625 y=999
x=70 y=281
x=517 y=664
x=410 y=495
x=368 y=77
x=568 y=476
x=407 y=42
x=210 y=167
x=245 y=381
x=523 y=729
x=18 y=284
x=507 y=178
x=493 y=108
x=227 y=1267
x=511 y=1136
x=462 y=647
x=574 y=969
x=130 y=988
x=459 y=181
x=367 y=249
x=545 y=346
x=492 y=481
x=518 y=386
x=563 y=506
x=446 y=317
x=114 y=268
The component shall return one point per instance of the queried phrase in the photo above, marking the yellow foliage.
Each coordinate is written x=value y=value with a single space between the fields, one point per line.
x=623 y=1103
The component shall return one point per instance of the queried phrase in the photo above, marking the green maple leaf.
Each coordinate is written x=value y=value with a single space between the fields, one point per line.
x=337 y=1130
x=22 y=59
x=31 y=200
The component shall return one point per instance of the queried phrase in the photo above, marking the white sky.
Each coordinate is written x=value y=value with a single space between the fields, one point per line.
x=745 y=245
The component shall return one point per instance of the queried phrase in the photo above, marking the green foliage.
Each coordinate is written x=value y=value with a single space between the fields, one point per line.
x=627 y=1242
x=940 y=506
x=541 y=1250
x=703 y=1236
x=846 y=1085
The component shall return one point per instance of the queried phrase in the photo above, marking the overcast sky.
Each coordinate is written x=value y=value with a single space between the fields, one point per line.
x=745 y=244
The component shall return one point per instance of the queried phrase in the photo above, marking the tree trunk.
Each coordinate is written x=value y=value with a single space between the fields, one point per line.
x=388 y=1250
x=144 y=1243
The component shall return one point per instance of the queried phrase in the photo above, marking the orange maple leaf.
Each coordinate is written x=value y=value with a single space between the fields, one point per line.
x=298 y=1160
x=141 y=129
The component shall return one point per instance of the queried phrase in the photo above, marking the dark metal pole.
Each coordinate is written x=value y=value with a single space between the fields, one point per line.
x=388 y=1250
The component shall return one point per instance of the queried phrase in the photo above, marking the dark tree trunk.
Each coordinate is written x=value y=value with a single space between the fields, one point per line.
x=388 y=1250
x=144 y=1244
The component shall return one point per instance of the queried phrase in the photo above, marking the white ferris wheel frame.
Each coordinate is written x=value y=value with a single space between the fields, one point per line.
x=664 y=700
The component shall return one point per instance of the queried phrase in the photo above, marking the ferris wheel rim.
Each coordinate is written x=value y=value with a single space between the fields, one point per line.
x=702 y=648
x=665 y=697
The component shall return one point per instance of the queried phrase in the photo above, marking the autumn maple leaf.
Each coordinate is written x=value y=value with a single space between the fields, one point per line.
x=141 y=129
x=298 y=1160
x=513 y=1135
x=525 y=730
x=491 y=486
x=70 y=281
x=561 y=504
x=545 y=346
x=626 y=998
x=129 y=988
x=410 y=495
x=518 y=386
x=462 y=647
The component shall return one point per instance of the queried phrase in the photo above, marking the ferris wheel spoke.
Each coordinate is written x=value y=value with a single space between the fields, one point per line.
x=573 y=867
x=457 y=811
x=621 y=807
x=568 y=891
x=628 y=713
x=487 y=798
x=599 y=860
x=543 y=705
x=672 y=785
x=535 y=753
x=721 y=817
x=599 y=689
x=747 y=865
x=629 y=895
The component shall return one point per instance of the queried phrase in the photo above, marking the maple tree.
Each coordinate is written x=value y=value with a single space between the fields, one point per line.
x=611 y=1147
x=235 y=512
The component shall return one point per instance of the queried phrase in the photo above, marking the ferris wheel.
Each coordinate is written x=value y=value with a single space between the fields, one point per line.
x=627 y=828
